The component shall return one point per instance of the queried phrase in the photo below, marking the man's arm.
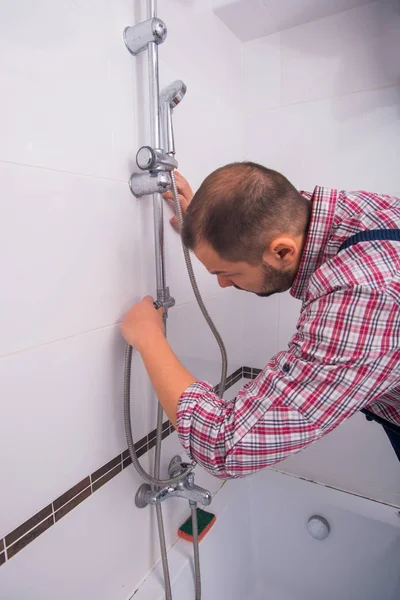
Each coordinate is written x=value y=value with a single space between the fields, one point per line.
x=301 y=395
x=143 y=328
x=334 y=367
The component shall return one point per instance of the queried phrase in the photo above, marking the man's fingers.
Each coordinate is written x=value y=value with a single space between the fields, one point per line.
x=182 y=195
x=182 y=200
x=174 y=223
x=183 y=186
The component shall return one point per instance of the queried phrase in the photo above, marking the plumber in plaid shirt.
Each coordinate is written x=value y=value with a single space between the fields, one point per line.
x=253 y=230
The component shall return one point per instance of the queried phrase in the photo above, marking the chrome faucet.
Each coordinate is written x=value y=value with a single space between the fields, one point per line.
x=184 y=488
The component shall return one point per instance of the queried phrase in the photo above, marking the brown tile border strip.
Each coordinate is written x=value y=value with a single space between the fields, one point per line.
x=99 y=482
x=72 y=503
x=28 y=525
x=28 y=531
x=29 y=537
x=250 y=372
x=65 y=498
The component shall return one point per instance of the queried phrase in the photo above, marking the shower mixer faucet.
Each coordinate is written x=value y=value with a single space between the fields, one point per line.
x=156 y=179
x=184 y=488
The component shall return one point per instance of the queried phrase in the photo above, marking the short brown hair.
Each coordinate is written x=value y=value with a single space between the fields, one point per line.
x=240 y=207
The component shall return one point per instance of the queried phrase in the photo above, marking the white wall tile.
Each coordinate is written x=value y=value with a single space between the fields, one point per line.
x=260 y=333
x=262 y=73
x=193 y=342
x=357 y=456
x=202 y=48
x=64 y=90
x=288 y=314
x=350 y=142
x=70 y=253
x=63 y=417
x=352 y=51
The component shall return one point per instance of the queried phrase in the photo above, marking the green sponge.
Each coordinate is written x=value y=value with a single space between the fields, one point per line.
x=205 y=521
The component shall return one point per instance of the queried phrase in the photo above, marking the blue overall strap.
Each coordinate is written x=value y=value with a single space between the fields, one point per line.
x=371 y=234
x=392 y=431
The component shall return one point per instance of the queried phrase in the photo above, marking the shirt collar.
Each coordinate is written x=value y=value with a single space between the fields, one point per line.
x=323 y=202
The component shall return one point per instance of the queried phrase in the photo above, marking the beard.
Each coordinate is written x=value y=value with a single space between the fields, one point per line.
x=274 y=282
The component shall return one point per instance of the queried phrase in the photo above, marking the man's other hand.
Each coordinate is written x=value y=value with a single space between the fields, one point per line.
x=185 y=195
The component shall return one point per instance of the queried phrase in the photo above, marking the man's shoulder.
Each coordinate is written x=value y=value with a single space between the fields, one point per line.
x=363 y=203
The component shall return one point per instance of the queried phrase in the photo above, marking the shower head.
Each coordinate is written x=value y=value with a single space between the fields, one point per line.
x=173 y=93
x=169 y=98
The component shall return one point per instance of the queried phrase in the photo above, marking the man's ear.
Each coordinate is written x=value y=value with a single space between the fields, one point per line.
x=281 y=252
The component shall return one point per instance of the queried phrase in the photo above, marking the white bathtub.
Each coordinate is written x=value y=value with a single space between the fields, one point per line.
x=259 y=548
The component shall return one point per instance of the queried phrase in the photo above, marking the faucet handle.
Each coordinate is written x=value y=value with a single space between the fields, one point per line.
x=149 y=159
x=175 y=466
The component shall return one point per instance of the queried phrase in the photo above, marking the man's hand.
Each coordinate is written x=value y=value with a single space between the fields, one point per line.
x=143 y=328
x=142 y=323
x=185 y=196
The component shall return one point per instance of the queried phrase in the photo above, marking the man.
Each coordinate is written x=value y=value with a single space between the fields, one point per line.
x=252 y=229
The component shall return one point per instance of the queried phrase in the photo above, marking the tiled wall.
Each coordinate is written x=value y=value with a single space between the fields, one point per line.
x=322 y=106
x=76 y=251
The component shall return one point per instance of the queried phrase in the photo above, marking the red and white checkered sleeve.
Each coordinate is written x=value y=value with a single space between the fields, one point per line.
x=336 y=363
x=236 y=438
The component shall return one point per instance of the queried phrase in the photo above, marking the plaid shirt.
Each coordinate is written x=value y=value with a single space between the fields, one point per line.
x=344 y=356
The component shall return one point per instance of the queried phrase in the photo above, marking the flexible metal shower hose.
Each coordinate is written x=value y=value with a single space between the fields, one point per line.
x=128 y=359
x=196 y=291
x=156 y=481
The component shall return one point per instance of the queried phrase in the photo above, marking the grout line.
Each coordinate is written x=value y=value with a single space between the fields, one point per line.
x=80 y=333
x=75 y=174
x=68 y=337
x=322 y=99
x=333 y=487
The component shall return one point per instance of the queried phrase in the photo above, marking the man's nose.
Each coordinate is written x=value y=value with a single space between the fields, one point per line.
x=224 y=281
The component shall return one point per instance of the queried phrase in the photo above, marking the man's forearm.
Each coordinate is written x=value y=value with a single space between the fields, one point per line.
x=168 y=376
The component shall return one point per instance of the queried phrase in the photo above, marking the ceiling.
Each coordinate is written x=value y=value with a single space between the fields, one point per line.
x=250 y=19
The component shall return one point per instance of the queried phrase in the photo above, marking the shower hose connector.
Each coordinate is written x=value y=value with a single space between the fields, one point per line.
x=164 y=300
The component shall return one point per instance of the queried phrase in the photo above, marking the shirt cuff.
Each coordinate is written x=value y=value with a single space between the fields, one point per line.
x=186 y=405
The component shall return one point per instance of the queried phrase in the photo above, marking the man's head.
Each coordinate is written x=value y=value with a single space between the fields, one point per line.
x=247 y=224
